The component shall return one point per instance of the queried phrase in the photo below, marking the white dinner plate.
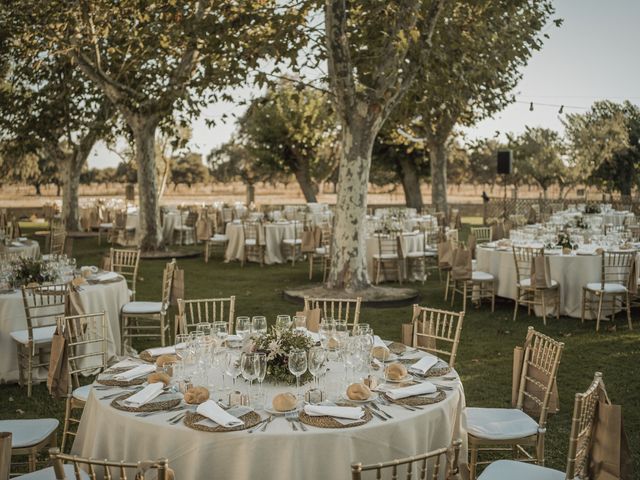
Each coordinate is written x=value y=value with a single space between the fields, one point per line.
x=271 y=411
x=372 y=398
x=406 y=378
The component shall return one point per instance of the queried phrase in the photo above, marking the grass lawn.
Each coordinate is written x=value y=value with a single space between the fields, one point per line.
x=485 y=354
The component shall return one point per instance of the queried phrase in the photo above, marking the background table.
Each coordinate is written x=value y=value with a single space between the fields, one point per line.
x=274 y=233
x=27 y=248
x=107 y=297
x=279 y=453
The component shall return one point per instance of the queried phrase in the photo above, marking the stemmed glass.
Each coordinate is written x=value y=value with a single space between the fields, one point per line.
x=317 y=363
x=283 y=322
x=249 y=365
x=243 y=327
x=259 y=325
x=297 y=365
x=262 y=370
x=232 y=365
x=221 y=332
x=182 y=345
x=300 y=323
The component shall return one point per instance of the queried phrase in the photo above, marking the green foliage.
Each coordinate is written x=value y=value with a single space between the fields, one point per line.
x=29 y=270
x=277 y=344
x=189 y=170
x=232 y=161
x=389 y=151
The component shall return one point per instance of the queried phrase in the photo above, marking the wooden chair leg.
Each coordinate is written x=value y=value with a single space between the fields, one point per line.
x=599 y=316
x=544 y=308
x=628 y=311
x=473 y=462
x=515 y=309
x=584 y=304
x=464 y=297
x=310 y=266
x=30 y=372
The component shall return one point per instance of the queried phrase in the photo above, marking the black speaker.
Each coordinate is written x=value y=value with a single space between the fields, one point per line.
x=505 y=162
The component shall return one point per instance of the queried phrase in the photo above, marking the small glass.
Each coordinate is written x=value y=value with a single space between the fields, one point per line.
x=259 y=325
x=283 y=322
x=300 y=323
x=243 y=327
x=221 y=331
x=182 y=345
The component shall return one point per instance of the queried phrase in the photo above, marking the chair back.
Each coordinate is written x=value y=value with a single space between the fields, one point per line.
x=57 y=241
x=585 y=408
x=616 y=267
x=441 y=463
x=337 y=308
x=523 y=257
x=389 y=246
x=120 y=220
x=437 y=331
x=542 y=353
x=326 y=237
x=6 y=231
x=251 y=231
x=44 y=304
x=125 y=262
x=87 y=344
x=167 y=281
x=192 y=312
x=227 y=215
x=483 y=234
x=107 y=468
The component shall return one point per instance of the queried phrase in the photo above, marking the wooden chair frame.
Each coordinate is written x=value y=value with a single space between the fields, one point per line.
x=472 y=289
x=389 y=252
x=57 y=241
x=337 y=308
x=616 y=268
x=192 y=312
x=135 y=325
x=186 y=228
x=294 y=245
x=251 y=231
x=126 y=263
x=532 y=295
x=326 y=242
x=210 y=245
x=42 y=305
x=436 y=329
x=542 y=353
x=483 y=234
x=431 y=460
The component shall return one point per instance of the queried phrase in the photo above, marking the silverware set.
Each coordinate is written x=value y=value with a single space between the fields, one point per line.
x=293 y=418
x=262 y=425
x=158 y=412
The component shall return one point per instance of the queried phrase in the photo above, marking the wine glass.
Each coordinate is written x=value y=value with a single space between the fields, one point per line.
x=297 y=365
x=283 y=322
x=259 y=325
x=204 y=327
x=182 y=345
x=300 y=323
x=249 y=365
x=232 y=365
x=262 y=369
x=317 y=362
x=243 y=327
x=221 y=332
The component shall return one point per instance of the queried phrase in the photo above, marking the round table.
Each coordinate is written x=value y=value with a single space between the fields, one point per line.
x=24 y=248
x=107 y=297
x=278 y=453
x=274 y=233
x=411 y=242
x=571 y=272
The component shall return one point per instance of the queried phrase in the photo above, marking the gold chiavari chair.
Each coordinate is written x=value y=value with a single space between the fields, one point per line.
x=42 y=304
x=483 y=234
x=512 y=429
x=26 y=437
x=437 y=331
x=473 y=284
x=186 y=230
x=294 y=245
x=118 y=232
x=440 y=463
x=580 y=444
x=217 y=242
x=337 y=308
x=253 y=242
x=87 y=355
x=528 y=292
x=6 y=231
x=634 y=233
x=148 y=319
x=209 y=310
x=389 y=257
x=57 y=241
x=126 y=262
x=322 y=253
x=612 y=289
x=73 y=467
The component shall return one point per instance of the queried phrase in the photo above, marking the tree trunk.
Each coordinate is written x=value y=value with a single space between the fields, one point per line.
x=307 y=187
x=144 y=132
x=410 y=183
x=438 y=157
x=38 y=191
x=251 y=193
x=70 y=186
x=348 y=259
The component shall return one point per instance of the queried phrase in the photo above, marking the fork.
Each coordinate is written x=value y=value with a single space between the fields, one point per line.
x=148 y=414
x=289 y=417
x=264 y=427
x=376 y=407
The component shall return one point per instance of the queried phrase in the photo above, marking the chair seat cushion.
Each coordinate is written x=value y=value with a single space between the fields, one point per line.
x=49 y=474
x=500 y=423
x=142 y=307
x=526 y=283
x=608 y=287
x=386 y=256
x=82 y=393
x=184 y=228
x=321 y=251
x=250 y=241
x=219 y=237
x=26 y=433
x=106 y=225
x=40 y=335
x=479 y=276
x=292 y=241
x=512 y=470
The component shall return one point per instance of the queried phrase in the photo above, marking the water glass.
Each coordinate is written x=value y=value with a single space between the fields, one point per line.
x=317 y=362
x=259 y=325
x=182 y=345
x=243 y=327
x=283 y=322
x=300 y=323
x=232 y=365
x=297 y=365
x=249 y=366
x=221 y=332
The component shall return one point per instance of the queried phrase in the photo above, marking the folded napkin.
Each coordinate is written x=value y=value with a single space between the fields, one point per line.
x=352 y=413
x=424 y=388
x=215 y=413
x=378 y=342
x=106 y=276
x=16 y=244
x=136 y=372
x=145 y=395
x=127 y=362
x=22 y=239
x=156 y=352
x=423 y=365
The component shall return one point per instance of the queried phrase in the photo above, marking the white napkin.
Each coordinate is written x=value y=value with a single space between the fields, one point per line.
x=352 y=413
x=127 y=362
x=145 y=395
x=106 y=276
x=156 y=352
x=22 y=239
x=16 y=244
x=377 y=342
x=423 y=365
x=424 y=388
x=315 y=337
x=136 y=372
x=215 y=413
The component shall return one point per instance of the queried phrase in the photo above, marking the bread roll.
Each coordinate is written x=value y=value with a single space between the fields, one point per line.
x=380 y=353
x=196 y=395
x=162 y=359
x=159 y=377
x=358 y=391
x=396 y=371
x=284 y=402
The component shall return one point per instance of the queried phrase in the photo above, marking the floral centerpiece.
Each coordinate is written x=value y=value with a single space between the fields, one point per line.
x=564 y=241
x=592 y=208
x=28 y=270
x=277 y=344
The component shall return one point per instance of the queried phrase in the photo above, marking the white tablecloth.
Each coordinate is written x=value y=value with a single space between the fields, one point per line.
x=29 y=249
x=108 y=297
x=274 y=233
x=277 y=454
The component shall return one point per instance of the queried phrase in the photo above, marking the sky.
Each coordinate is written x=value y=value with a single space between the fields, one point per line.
x=592 y=56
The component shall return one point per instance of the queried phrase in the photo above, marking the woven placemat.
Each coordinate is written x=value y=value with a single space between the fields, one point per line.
x=330 y=422
x=111 y=382
x=250 y=419
x=147 y=407
x=419 y=399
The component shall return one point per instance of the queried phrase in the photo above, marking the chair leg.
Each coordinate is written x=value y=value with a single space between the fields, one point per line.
x=584 y=304
x=30 y=372
x=544 y=308
x=464 y=297
x=515 y=309
x=473 y=462
x=628 y=311
x=493 y=297
x=377 y=271
x=206 y=252
x=67 y=416
x=446 y=289
x=310 y=266
x=598 y=318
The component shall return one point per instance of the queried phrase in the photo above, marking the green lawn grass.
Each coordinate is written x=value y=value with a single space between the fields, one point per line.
x=485 y=354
